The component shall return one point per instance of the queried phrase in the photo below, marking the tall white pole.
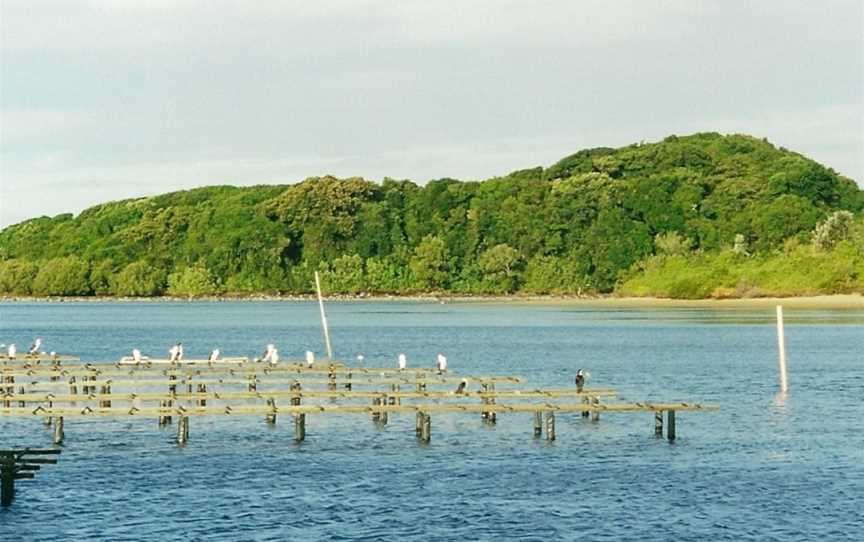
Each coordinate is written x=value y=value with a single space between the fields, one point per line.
x=323 y=317
x=781 y=343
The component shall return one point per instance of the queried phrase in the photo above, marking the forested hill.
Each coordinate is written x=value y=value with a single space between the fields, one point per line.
x=595 y=221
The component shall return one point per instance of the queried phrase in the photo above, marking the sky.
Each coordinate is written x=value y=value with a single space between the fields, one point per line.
x=106 y=100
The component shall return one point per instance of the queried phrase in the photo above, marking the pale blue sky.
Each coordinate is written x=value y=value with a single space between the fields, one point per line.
x=106 y=100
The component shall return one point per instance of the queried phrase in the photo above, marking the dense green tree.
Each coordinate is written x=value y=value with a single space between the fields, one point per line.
x=68 y=276
x=578 y=226
x=139 y=279
x=431 y=263
x=16 y=276
x=194 y=281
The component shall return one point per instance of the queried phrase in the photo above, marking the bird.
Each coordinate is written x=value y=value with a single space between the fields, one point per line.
x=274 y=356
x=34 y=348
x=136 y=355
x=214 y=355
x=360 y=358
x=12 y=351
x=174 y=353
x=581 y=377
x=310 y=358
x=461 y=388
x=403 y=362
x=442 y=363
x=179 y=351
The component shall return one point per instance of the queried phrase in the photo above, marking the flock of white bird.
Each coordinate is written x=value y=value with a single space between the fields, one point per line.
x=175 y=355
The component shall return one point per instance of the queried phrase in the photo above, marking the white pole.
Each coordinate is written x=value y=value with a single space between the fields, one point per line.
x=781 y=343
x=323 y=317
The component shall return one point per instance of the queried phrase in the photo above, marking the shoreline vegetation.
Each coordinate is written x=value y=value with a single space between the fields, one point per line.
x=704 y=216
x=813 y=302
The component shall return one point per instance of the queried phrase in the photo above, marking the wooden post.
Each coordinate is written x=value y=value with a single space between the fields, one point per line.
x=253 y=385
x=161 y=418
x=426 y=429
x=73 y=387
x=781 y=344
x=183 y=430
x=376 y=414
x=7 y=481
x=59 y=435
x=658 y=423
x=595 y=415
x=323 y=317
x=538 y=424
x=586 y=401
x=296 y=388
x=271 y=416
x=202 y=388
x=419 y=424
x=331 y=377
x=348 y=383
x=299 y=427
x=491 y=416
x=670 y=421
x=550 y=425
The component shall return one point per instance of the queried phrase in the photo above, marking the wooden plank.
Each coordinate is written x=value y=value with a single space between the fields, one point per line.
x=263 y=376
x=270 y=394
x=248 y=409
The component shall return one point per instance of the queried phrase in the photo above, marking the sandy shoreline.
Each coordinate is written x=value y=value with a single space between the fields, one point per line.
x=840 y=302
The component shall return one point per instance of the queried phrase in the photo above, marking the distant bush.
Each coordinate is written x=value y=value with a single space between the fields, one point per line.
x=16 y=276
x=139 y=279
x=62 y=276
x=192 y=281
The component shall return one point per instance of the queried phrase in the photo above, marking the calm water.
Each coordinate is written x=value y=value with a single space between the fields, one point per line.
x=762 y=468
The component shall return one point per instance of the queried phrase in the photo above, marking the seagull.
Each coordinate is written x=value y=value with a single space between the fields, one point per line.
x=136 y=355
x=12 y=351
x=403 y=362
x=310 y=358
x=214 y=355
x=34 y=348
x=442 y=363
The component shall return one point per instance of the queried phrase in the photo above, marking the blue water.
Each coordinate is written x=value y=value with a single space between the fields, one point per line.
x=762 y=468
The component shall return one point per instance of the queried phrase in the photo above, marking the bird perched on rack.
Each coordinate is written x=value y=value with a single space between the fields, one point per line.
x=403 y=362
x=34 y=348
x=581 y=377
x=214 y=355
x=461 y=388
x=13 y=351
x=310 y=358
x=441 y=363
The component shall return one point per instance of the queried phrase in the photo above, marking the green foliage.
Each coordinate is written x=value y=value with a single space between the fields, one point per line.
x=835 y=228
x=587 y=223
x=502 y=267
x=16 y=276
x=194 y=281
x=431 y=263
x=139 y=279
x=62 y=276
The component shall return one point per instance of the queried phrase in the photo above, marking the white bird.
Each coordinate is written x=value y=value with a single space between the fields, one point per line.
x=310 y=358
x=173 y=353
x=403 y=362
x=360 y=358
x=136 y=355
x=179 y=351
x=274 y=356
x=12 y=351
x=214 y=355
x=34 y=348
x=442 y=363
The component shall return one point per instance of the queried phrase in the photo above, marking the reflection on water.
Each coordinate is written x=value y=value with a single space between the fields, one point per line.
x=766 y=466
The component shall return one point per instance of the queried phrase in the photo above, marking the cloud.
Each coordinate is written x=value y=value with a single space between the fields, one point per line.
x=99 y=96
